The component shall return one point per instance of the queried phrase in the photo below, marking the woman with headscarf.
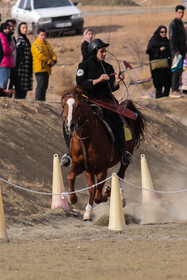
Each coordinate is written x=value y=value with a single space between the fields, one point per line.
x=6 y=55
x=88 y=36
x=23 y=63
x=160 y=61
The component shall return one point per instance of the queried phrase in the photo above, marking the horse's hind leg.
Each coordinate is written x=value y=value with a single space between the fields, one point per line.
x=99 y=195
x=89 y=207
x=121 y=175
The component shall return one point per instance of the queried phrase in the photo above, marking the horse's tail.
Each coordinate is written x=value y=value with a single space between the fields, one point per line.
x=137 y=126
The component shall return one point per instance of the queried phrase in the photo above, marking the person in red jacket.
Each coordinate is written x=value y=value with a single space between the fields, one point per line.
x=7 y=61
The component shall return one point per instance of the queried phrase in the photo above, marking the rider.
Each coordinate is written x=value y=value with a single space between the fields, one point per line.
x=93 y=75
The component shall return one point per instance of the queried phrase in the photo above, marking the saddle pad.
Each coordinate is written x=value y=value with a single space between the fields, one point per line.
x=128 y=134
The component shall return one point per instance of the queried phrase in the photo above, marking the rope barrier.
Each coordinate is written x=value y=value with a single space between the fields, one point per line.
x=62 y=194
x=93 y=186
x=162 y=192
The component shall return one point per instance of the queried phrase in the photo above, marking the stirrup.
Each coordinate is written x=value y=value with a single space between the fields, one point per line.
x=66 y=160
x=127 y=158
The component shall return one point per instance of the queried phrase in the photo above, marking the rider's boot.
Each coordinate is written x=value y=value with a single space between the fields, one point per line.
x=66 y=158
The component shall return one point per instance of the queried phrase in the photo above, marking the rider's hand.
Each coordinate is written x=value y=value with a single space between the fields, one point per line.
x=162 y=49
x=104 y=77
x=119 y=77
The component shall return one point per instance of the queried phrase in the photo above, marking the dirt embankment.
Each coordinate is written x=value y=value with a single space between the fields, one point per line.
x=44 y=242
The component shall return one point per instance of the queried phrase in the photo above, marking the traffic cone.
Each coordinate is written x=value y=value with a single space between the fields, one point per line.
x=3 y=231
x=116 y=217
x=58 y=186
x=147 y=196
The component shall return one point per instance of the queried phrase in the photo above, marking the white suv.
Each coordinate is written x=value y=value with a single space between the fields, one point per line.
x=53 y=15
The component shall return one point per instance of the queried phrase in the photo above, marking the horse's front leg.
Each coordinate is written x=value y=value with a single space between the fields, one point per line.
x=99 y=195
x=89 y=207
x=74 y=172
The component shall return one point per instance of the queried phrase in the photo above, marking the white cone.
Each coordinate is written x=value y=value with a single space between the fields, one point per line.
x=58 y=186
x=147 y=196
x=116 y=218
x=3 y=231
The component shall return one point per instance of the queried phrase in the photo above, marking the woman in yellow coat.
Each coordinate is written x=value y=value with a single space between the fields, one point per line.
x=43 y=59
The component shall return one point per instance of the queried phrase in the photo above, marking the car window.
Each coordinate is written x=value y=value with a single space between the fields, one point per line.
x=28 y=5
x=39 y=4
x=21 y=4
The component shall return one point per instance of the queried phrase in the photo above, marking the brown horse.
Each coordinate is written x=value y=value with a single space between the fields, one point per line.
x=92 y=148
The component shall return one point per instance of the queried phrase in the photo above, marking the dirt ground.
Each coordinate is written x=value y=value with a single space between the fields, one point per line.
x=45 y=243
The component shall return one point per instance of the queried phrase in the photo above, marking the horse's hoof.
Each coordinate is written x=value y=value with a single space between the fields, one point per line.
x=87 y=216
x=72 y=198
x=107 y=190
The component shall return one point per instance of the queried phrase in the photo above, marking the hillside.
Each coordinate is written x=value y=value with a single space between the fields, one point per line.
x=31 y=134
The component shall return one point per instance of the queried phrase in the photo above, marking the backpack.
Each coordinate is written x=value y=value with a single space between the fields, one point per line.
x=1 y=51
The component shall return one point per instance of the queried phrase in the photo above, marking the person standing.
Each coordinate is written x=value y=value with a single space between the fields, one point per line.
x=160 y=57
x=184 y=72
x=87 y=38
x=13 y=73
x=44 y=59
x=23 y=63
x=7 y=61
x=177 y=40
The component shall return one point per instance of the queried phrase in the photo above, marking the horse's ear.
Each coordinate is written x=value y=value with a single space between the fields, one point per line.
x=79 y=90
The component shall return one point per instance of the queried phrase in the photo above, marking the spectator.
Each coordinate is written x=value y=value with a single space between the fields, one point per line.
x=184 y=72
x=7 y=61
x=177 y=39
x=13 y=76
x=43 y=60
x=88 y=36
x=23 y=63
x=159 y=55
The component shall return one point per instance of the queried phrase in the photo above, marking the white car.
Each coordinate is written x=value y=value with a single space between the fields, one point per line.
x=52 y=15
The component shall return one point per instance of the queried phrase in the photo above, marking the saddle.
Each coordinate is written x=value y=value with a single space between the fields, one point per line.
x=99 y=113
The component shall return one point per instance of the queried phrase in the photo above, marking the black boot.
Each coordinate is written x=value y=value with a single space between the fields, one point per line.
x=66 y=158
x=158 y=93
x=127 y=158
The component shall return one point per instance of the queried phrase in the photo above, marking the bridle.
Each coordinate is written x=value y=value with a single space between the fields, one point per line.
x=78 y=126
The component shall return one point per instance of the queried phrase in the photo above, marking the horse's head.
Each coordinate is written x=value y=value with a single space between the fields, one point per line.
x=73 y=109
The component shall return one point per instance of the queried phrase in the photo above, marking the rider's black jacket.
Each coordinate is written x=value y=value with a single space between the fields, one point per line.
x=92 y=69
x=177 y=36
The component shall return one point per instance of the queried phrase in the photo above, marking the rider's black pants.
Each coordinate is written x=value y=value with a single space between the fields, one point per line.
x=115 y=122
